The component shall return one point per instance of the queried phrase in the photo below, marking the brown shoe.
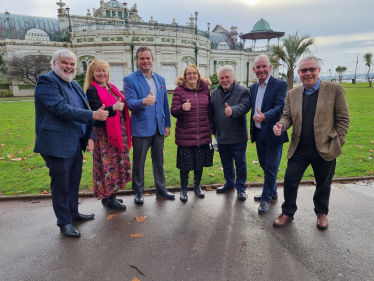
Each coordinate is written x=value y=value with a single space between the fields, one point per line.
x=282 y=220
x=322 y=221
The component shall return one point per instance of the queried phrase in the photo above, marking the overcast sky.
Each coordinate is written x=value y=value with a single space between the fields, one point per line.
x=343 y=28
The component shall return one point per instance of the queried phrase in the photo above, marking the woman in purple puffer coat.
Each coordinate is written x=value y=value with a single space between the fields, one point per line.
x=191 y=107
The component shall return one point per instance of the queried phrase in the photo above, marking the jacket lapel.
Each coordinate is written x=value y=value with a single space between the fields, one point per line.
x=254 y=95
x=299 y=103
x=322 y=95
x=142 y=80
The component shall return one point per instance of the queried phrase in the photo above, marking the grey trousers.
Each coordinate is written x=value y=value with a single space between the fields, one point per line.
x=140 y=149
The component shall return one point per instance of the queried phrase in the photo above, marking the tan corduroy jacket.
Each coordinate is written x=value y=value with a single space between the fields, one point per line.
x=331 y=121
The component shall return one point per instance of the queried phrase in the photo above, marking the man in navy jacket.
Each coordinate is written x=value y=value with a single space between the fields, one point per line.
x=64 y=127
x=267 y=102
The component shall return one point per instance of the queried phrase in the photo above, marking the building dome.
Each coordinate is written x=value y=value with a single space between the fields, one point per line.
x=261 y=26
x=114 y=4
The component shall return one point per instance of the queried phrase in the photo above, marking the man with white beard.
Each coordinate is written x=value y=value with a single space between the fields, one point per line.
x=64 y=128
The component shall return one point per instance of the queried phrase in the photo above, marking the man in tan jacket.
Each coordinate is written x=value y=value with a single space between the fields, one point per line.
x=318 y=112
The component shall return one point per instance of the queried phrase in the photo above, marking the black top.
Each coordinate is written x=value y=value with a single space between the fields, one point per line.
x=307 y=138
x=95 y=104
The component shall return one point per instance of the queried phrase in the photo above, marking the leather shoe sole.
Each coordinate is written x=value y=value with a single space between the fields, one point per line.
x=104 y=200
x=70 y=231
x=258 y=198
x=166 y=194
x=224 y=189
x=284 y=220
x=84 y=217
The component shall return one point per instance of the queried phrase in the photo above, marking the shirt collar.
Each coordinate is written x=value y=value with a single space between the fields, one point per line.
x=145 y=75
x=265 y=82
x=314 y=88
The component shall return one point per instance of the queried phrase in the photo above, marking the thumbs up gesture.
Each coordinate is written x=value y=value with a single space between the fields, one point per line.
x=228 y=110
x=149 y=100
x=118 y=106
x=259 y=117
x=100 y=114
x=186 y=106
x=277 y=129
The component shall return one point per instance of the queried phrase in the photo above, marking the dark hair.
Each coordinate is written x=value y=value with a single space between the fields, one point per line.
x=142 y=49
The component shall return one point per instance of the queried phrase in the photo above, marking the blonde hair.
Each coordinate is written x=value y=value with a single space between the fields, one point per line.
x=90 y=72
x=198 y=74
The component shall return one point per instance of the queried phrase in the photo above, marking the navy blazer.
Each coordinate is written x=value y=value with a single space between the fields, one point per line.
x=58 y=121
x=144 y=121
x=272 y=108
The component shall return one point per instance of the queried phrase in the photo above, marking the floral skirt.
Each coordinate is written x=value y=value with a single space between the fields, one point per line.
x=194 y=157
x=111 y=167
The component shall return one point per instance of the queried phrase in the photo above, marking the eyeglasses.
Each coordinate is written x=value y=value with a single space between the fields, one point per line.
x=191 y=73
x=311 y=70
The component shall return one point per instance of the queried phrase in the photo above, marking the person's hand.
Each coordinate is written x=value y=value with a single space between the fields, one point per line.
x=118 y=106
x=277 y=129
x=167 y=132
x=186 y=106
x=149 y=100
x=100 y=114
x=259 y=117
x=228 y=110
x=90 y=145
x=250 y=137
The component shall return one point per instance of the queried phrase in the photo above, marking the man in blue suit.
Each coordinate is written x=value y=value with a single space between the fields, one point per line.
x=267 y=103
x=64 y=127
x=147 y=99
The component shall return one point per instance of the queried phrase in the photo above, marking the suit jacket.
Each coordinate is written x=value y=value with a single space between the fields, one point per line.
x=144 y=120
x=272 y=108
x=58 y=120
x=331 y=120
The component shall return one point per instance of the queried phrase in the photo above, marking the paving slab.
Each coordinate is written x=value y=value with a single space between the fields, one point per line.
x=215 y=238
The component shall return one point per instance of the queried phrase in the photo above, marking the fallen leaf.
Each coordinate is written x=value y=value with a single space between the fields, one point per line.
x=248 y=185
x=33 y=202
x=10 y=155
x=2 y=145
x=358 y=146
x=84 y=157
x=208 y=188
x=16 y=159
x=112 y=216
x=136 y=235
x=140 y=218
x=255 y=162
x=370 y=172
x=212 y=175
x=84 y=161
x=20 y=152
x=147 y=194
x=24 y=164
x=2 y=158
x=194 y=250
x=371 y=150
x=314 y=182
x=221 y=168
x=244 y=243
x=135 y=279
x=371 y=141
x=359 y=159
x=44 y=192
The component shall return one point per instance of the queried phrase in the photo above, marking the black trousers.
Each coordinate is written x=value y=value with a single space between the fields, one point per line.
x=65 y=176
x=323 y=174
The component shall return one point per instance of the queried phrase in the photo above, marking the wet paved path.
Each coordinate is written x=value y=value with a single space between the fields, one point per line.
x=216 y=238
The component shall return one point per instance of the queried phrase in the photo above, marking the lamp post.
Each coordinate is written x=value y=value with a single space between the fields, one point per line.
x=355 y=71
x=208 y=35
x=196 y=13
x=132 y=55
x=126 y=15
x=68 y=10
x=7 y=35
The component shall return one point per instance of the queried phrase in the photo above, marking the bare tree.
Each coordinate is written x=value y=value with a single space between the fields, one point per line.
x=340 y=70
x=28 y=68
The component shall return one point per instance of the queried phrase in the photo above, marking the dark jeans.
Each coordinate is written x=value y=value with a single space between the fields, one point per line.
x=65 y=176
x=323 y=174
x=229 y=153
x=269 y=158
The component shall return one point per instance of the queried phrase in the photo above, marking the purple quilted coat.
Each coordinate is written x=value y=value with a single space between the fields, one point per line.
x=193 y=126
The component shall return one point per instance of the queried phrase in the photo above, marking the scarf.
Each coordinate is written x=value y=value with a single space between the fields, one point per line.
x=113 y=124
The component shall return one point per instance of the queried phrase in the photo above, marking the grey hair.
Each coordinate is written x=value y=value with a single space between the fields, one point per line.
x=263 y=57
x=310 y=57
x=226 y=68
x=64 y=53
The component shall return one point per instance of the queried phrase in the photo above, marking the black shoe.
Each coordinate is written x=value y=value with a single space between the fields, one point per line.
x=242 y=195
x=81 y=217
x=139 y=199
x=113 y=203
x=70 y=231
x=224 y=188
x=264 y=207
x=199 y=191
x=258 y=198
x=165 y=193
x=183 y=195
x=196 y=182
x=103 y=200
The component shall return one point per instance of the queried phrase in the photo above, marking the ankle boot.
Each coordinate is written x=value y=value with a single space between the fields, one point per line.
x=197 y=179
x=184 y=183
x=113 y=203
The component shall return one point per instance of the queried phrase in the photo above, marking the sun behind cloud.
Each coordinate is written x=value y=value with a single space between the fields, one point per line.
x=250 y=2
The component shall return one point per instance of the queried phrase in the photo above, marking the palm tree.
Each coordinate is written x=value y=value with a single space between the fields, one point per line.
x=368 y=61
x=340 y=70
x=292 y=49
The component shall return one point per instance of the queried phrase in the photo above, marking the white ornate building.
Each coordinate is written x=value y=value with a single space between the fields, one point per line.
x=113 y=32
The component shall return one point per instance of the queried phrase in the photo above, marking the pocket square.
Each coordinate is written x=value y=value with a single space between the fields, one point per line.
x=162 y=87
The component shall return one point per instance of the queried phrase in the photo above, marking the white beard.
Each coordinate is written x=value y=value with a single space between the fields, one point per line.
x=66 y=76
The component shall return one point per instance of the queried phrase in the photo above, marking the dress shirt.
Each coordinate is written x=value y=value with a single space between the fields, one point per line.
x=314 y=88
x=261 y=89
x=151 y=83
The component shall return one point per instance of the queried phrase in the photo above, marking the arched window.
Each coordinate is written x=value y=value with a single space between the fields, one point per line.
x=36 y=34
x=84 y=66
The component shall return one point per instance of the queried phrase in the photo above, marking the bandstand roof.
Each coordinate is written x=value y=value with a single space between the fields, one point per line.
x=262 y=30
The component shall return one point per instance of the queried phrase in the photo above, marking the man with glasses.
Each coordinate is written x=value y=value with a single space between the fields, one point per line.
x=230 y=105
x=318 y=112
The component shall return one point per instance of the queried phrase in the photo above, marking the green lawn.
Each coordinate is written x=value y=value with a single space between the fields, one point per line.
x=30 y=176
x=357 y=85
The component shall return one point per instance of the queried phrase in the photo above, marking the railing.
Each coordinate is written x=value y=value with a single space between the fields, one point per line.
x=220 y=46
x=57 y=37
